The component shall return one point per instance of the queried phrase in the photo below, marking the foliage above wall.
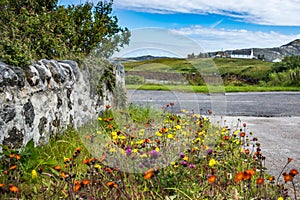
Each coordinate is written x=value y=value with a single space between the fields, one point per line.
x=35 y=29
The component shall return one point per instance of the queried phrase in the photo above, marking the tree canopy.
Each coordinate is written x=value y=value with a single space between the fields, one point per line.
x=36 y=29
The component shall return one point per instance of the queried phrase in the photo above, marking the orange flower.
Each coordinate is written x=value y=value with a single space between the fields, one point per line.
x=245 y=175
x=259 y=181
x=108 y=119
x=247 y=151
x=1 y=185
x=112 y=184
x=147 y=140
x=57 y=168
x=239 y=176
x=108 y=170
x=77 y=187
x=85 y=182
x=149 y=174
x=293 y=172
x=13 y=167
x=64 y=175
x=242 y=134
x=226 y=137
x=13 y=188
x=108 y=106
x=287 y=177
x=12 y=155
x=88 y=161
x=18 y=157
x=271 y=178
x=250 y=171
x=110 y=126
x=212 y=179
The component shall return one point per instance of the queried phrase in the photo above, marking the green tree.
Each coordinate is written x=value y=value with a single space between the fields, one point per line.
x=36 y=29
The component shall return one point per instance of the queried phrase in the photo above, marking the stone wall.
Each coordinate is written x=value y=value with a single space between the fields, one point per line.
x=49 y=96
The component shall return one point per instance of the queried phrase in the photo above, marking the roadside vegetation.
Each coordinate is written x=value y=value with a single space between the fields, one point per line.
x=236 y=74
x=145 y=153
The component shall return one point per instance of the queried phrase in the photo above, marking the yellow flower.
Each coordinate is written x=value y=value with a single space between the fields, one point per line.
x=66 y=160
x=141 y=132
x=143 y=155
x=122 y=137
x=212 y=162
x=99 y=118
x=97 y=166
x=170 y=136
x=139 y=142
x=157 y=149
x=34 y=174
x=158 y=134
x=178 y=127
x=185 y=158
x=134 y=150
x=280 y=198
x=197 y=115
x=112 y=150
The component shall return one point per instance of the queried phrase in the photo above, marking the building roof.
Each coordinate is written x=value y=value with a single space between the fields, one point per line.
x=242 y=52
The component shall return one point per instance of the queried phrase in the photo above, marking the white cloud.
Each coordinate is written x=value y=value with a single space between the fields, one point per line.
x=268 y=12
x=180 y=42
x=212 y=39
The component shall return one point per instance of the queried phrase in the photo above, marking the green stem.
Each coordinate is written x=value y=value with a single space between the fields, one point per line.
x=180 y=192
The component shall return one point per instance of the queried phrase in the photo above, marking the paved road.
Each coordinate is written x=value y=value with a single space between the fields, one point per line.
x=273 y=117
x=264 y=104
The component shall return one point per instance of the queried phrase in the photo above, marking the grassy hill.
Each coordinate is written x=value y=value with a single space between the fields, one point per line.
x=233 y=71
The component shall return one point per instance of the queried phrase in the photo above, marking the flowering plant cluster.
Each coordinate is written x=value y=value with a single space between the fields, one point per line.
x=140 y=153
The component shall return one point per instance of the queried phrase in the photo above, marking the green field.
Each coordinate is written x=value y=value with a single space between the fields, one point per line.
x=252 y=69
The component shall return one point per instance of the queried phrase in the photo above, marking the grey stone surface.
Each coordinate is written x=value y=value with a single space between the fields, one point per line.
x=50 y=97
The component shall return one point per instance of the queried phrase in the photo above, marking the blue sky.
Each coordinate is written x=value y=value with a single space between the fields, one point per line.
x=212 y=25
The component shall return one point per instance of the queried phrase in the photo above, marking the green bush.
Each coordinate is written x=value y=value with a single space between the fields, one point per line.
x=32 y=30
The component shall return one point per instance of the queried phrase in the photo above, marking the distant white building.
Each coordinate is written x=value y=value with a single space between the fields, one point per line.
x=244 y=54
x=277 y=60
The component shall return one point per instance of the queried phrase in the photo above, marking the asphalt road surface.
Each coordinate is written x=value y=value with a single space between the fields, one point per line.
x=263 y=104
x=273 y=117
